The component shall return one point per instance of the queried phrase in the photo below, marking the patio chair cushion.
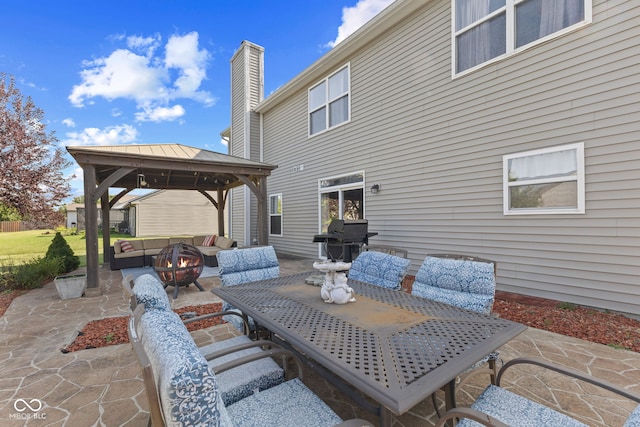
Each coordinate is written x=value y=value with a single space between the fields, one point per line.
x=517 y=411
x=243 y=266
x=186 y=384
x=462 y=283
x=242 y=381
x=248 y=265
x=634 y=418
x=379 y=269
x=149 y=292
x=290 y=404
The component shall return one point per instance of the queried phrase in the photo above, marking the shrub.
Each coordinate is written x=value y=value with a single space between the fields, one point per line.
x=31 y=275
x=59 y=248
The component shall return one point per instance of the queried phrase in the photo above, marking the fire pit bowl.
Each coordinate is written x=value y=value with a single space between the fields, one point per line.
x=179 y=264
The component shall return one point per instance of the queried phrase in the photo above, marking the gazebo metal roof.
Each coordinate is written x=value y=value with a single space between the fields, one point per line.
x=169 y=166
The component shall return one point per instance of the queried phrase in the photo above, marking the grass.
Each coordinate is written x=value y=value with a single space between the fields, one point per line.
x=24 y=246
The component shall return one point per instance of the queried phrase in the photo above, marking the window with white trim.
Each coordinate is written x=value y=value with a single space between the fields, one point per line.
x=329 y=103
x=547 y=181
x=488 y=29
x=275 y=214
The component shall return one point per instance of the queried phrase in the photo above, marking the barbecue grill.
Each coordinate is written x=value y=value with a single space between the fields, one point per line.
x=344 y=239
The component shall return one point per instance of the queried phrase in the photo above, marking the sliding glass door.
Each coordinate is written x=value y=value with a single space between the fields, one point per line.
x=340 y=198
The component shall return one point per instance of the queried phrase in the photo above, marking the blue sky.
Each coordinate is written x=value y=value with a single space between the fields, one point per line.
x=145 y=72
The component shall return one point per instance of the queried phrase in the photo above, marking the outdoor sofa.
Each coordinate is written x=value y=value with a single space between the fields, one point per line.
x=139 y=253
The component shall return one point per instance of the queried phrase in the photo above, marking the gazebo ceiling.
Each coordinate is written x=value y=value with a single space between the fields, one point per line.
x=168 y=166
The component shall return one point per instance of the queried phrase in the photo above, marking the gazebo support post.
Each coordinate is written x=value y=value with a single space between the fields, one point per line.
x=106 y=230
x=263 y=213
x=91 y=230
x=221 y=203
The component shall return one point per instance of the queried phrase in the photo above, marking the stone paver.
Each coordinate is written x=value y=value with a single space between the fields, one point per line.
x=104 y=386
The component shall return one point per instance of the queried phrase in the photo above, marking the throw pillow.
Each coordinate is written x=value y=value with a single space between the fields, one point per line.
x=209 y=240
x=223 y=243
x=126 y=246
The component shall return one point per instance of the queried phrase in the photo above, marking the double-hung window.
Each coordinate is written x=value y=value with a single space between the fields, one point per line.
x=547 y=181
x=488 y=29
x=275 y=214
x=329 y=103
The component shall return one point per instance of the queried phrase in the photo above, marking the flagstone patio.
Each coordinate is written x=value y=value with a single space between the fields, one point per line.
x=103 y=386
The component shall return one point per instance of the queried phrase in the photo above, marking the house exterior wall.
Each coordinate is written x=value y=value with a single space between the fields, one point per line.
x=175 y=213
x=435 y=144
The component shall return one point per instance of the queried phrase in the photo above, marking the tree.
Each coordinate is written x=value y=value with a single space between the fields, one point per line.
x=60 y=249
x=31 y=165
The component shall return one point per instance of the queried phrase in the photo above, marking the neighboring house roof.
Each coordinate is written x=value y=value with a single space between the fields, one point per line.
x=73 y=207
x=124 y=200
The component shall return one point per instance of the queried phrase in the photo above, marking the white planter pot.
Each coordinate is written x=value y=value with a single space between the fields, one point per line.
x=71 y=286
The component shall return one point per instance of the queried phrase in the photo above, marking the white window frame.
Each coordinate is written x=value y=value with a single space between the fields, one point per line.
x=278 y=196
x=578 y=178
x=509 y=10
x=328 y=101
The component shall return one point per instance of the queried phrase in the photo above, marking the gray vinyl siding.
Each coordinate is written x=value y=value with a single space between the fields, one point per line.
x=175 y=213
x=255 y=87
x=236 y=145
x=435 y=145
x=247 y=91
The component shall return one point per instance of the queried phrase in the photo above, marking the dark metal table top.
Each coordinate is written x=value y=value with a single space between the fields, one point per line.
x=395 y=347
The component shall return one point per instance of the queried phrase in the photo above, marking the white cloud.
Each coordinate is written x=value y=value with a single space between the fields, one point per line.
x=356 y=16
x=111 y=135
x=140 y=73
x=69 y=123
x=160 y=114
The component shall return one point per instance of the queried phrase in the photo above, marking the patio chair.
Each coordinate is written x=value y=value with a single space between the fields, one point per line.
x=462 y=281
x=236 y=383
x=182 y=389
x=379 y=269
x=499 y=407
x=387 y=250
x=246 y=265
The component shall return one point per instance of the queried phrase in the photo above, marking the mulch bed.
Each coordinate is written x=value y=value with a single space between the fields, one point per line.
x=113 y=330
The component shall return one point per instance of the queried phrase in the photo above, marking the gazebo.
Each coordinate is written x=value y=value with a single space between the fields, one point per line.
x=162 y=166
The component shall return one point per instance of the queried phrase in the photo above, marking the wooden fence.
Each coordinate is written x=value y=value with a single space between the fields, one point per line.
x=11 y=226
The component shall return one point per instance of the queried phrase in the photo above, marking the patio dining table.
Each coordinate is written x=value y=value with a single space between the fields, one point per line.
x=394 y=347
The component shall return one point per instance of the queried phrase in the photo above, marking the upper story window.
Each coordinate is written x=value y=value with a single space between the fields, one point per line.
x=275 y=214
x=548 y=181
x=329 y=103
x=488 y=29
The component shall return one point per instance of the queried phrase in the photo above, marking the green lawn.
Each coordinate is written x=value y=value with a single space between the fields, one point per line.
x=24 y=246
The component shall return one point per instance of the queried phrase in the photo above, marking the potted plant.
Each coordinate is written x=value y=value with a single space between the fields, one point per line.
x=70 y=286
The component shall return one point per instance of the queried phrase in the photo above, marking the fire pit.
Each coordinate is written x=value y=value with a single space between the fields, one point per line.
x=178 y=265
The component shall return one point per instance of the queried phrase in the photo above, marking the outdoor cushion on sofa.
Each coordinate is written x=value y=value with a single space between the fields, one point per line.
x=224 y=242
x=137 y=245
x=187 y=240
x=138 y=249
x=154 y=246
